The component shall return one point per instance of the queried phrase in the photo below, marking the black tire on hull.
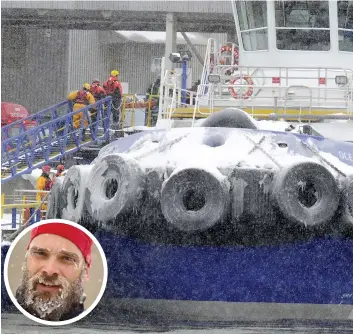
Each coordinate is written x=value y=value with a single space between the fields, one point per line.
x=55 y=199
x=250 y=194
x=230 y=118
x=194 y=199
x=306 y=193
x=348 y=200
x=73 y=192
x=350 y=193
x=115 y=187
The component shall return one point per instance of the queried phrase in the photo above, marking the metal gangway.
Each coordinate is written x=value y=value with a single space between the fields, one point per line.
x=51 y=136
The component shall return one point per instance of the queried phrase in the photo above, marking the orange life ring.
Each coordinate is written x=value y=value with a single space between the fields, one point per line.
x=228 y=48
x=248 y=93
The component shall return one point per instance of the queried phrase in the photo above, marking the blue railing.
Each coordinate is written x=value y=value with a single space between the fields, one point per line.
x=52 y=136
x=16 y=223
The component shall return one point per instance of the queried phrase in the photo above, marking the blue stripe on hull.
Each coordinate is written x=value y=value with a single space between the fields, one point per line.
x=318 y=271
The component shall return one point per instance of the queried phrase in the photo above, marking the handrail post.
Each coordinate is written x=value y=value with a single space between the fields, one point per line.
x=24 y=210
x=13 y=218
x=31 y=211
x=2 y=205
x=149 y=111
x=38 y=215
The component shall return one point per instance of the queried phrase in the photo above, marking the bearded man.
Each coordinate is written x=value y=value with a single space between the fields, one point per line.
x=56 y=266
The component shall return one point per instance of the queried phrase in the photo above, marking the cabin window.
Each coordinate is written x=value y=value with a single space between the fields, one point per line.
x=252 y=17
x=345 y=25
x=302 y=25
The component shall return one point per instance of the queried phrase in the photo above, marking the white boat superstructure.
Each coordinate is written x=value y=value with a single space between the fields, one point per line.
x=294 y=59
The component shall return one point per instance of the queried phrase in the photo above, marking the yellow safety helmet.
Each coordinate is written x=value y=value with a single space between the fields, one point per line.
x=87 y=86
x=114 y=73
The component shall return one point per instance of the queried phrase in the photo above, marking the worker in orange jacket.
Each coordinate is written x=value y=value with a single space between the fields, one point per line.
x=81 y=99
x=43 y=183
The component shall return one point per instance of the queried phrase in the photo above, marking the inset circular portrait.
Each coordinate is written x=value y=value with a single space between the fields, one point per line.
x=55 y=272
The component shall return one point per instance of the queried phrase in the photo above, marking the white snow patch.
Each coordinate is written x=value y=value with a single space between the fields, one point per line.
x=272 y=125
x=35 y=174
x=6 y=221
x=346 y=169
x=190 y=150
x=211 y=169
x=5 y=243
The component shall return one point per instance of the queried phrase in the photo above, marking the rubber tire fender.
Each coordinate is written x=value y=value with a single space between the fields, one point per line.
x=230 y=118
x=73 y=192
x=348 y=199
x=176 y=199
x=286 y=188
x=55 y=199
x=128 y=179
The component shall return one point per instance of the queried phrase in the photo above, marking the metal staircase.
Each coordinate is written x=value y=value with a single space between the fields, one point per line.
x=51 y=136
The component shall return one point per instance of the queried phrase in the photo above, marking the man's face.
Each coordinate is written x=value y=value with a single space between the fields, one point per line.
x=53 y=273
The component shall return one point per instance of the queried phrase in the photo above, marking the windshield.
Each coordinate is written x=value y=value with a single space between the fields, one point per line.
x=302 y=25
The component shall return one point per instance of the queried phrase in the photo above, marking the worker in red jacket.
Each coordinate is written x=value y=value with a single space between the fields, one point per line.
x=113 y=88
x=97 y=90
x=59 y=170
x=98 y=93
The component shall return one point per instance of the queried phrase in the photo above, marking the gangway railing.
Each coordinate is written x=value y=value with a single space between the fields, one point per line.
x=52 y=138
x=265 y=90
x=261 y=91
x=171 y=98
x=21 y=207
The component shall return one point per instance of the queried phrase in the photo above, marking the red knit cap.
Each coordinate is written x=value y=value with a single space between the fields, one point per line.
x=75 y=235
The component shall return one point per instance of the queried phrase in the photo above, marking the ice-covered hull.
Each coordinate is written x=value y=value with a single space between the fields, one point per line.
x=247 y=257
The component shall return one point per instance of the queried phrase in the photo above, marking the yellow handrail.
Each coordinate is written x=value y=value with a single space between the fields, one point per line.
x=19 y=206
x=2 y=205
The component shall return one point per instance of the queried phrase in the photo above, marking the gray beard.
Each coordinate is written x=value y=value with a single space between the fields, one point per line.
x=44 y=305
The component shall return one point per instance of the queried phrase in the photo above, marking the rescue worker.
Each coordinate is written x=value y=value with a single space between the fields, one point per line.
x=153 y=96
x=59 y=170
x=113 y=88
x=97 y=90
x=98 y=93
x=81 y=98
x=43 y=183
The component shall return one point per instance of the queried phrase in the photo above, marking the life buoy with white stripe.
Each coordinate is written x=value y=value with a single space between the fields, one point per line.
x=228 y=48
x=248 y=93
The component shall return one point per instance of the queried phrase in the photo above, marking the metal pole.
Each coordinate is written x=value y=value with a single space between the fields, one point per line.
x=13 y=216
x=192 y=47
x=184 y=78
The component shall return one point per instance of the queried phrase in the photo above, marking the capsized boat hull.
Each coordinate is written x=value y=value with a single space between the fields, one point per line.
x=312 y=277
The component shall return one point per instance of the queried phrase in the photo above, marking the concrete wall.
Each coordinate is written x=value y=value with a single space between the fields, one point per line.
x=88 y=58
x=34 y=66
x=39 y=67
x=162 y=6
